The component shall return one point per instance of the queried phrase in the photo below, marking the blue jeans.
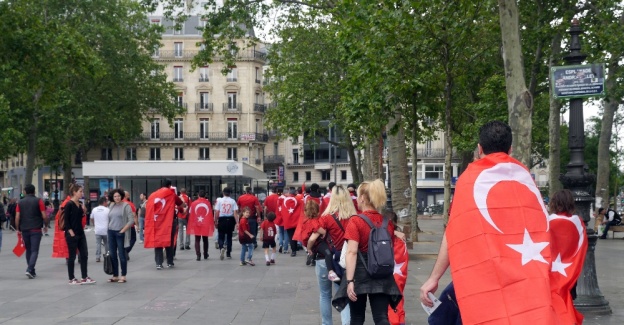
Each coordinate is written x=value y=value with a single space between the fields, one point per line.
x=32 y=240
x=116 y=248
x=247 y=248
x=99 y=240
x=283 y=237
x=141 y=228
x=325 y=288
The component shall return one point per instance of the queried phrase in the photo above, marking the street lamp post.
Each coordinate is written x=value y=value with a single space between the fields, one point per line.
x=578 y=180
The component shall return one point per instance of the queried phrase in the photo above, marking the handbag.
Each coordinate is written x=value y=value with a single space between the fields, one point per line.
x=343 y=256
x=108 y=262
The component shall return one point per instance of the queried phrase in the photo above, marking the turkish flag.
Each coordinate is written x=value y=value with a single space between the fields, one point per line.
x=59 y=245
x=401 y=259
x=19 y=248
x=498 y=245
x=568 y=245
x=302 y=217
x=291 y=210
x=201 y=218
x=279 y=221
x=159 y=211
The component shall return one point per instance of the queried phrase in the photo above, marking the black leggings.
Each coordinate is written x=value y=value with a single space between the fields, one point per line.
x=78 y=242
x=379 y=307
x=293 y=243
x=323 y=248
x=197 y=240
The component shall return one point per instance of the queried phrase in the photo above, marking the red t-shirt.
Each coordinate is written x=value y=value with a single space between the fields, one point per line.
x=182 y=213
x=328 y=223
x=271 y=203
x=250 y=201
x=308 y=227
x=268 y=230
x=243 y=225
x=358 y=230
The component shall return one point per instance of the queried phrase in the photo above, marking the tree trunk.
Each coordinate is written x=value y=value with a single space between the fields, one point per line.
x=448 y=145
x=31 y=153
x=604 y=156
x=397 y=165
x=413 y=197
x=352 y=159
x=554 y=126
x=519 y=100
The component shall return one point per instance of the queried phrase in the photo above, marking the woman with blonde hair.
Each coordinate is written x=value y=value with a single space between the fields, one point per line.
x=333 y=222
x=358 y=286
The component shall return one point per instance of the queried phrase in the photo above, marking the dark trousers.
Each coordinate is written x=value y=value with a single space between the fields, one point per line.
x=78 y=242
x=609 y=224
x=32 y=241
x=323 y=248
x=293 y=243
x=379 y=303
x=132 y=239
x=205 y=240
x=253 y=228
x=226 y=228
x=158 y=251
x=116 y=249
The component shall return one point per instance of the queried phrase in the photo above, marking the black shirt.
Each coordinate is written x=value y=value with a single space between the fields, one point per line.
x=73 y=218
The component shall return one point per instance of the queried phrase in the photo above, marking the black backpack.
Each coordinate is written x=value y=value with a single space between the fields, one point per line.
x=3 y=217
x=380 y=250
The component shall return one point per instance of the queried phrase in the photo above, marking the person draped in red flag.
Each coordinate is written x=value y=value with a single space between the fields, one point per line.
x=315 y=196
x=568 y=245
x=160 y=222
x=291 y=210
x=497 y=240
x=201 y=222
x=59 y=245
x=401 y=259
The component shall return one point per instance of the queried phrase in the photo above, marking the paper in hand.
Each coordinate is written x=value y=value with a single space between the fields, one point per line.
x=436 y=304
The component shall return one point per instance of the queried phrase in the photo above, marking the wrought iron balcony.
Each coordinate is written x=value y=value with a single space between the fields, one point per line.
x=203 y=107
x=434 y=153
x=203 y=79
x=182 y=104
x=178 y=79
x=261 y=108
x=232 y=108
x=189 y=54
x=205 y=136
x=275 y=159
x=232 y=79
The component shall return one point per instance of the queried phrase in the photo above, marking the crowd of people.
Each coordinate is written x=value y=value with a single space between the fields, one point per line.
x=355 y=245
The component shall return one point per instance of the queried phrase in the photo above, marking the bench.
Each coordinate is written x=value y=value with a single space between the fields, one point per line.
x=614 y=229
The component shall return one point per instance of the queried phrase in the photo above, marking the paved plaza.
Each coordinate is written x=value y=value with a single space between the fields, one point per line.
x=220 y=292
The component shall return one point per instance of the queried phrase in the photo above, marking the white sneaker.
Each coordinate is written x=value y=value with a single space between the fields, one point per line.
x=333 y=277
x=222 y=254
x=87 y=280
x=74 y=282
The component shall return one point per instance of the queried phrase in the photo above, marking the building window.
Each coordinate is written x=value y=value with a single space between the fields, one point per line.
x=232 y=101
x=308 y=176
x=107 y=154
x=343 y=175
x=177 y=74
x=204 y=153
x=325 y=175
x=155 y=22
x=233 y=48
x=434 y=171
x=202 y=23
x=156 y=52
x=178 y=153
x=203 y=128
x=232 y=76
x=180 y=99
x=232 y=129
x=295 y=156
x=178 y=29
x=204 y=100
x=178 y=49
x=231 y=154
x=258 y=77
x=257 y=126
x=428 y=148
x=155 y=130
x=203 y=74
x=131 y=154
x=154 y=153
x=295 y=176
x=178 y=129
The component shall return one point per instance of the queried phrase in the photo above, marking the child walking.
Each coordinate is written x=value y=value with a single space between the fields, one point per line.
x=268 y=237
x=245 y=238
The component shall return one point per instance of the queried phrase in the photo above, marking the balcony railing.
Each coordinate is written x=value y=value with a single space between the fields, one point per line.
x=182 y=104
x=433 y=153
x=258 y=161
x=203 y=79
x=232 y=79
x=257 y=81
x=232 y=108
x=189 y=54
x=261 y=108
x=178 y=79
x=206 y=136
x=204 y=107
x=276 y=159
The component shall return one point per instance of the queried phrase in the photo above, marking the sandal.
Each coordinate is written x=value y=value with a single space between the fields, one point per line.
x=113 y=280
x=122 y=280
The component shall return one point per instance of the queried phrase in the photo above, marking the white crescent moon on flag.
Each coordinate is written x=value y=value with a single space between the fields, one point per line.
x=204 y=205
x=576 y=221
x=290 y=198
x=488 y=178
x=164 y=202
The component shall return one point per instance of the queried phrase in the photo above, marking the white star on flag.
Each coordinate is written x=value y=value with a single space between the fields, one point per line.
x=200 y=219
x=291 y=210
x=397 y=268
x=558 y=266
x=530 y=250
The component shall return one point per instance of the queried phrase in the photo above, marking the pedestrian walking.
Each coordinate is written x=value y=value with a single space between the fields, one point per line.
x=250 y=201
x=30 y=219
x=99 y=219
x=141 y=213
x=245 y=237
x=120 y=222
x=201 y=223
x=183 y=236
x=226 y=215
x=268 y=237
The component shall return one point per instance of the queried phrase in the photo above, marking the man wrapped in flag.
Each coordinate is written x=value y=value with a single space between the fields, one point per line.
x=160 y=223
x=497 y=242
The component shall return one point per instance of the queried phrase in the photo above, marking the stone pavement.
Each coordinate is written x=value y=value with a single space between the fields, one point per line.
x=219 y=292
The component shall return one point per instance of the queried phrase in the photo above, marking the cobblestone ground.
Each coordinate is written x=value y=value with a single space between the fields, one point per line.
x=218 y=292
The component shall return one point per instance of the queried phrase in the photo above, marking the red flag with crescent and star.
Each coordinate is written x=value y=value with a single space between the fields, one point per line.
x=319 y=200
x=201 y=218
x=19 y=248
x=291 y=209
x=568 y=241
x=159 y=211
x=279 y=221
x=59 y=245
x=498 y=244
x=401 y=259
